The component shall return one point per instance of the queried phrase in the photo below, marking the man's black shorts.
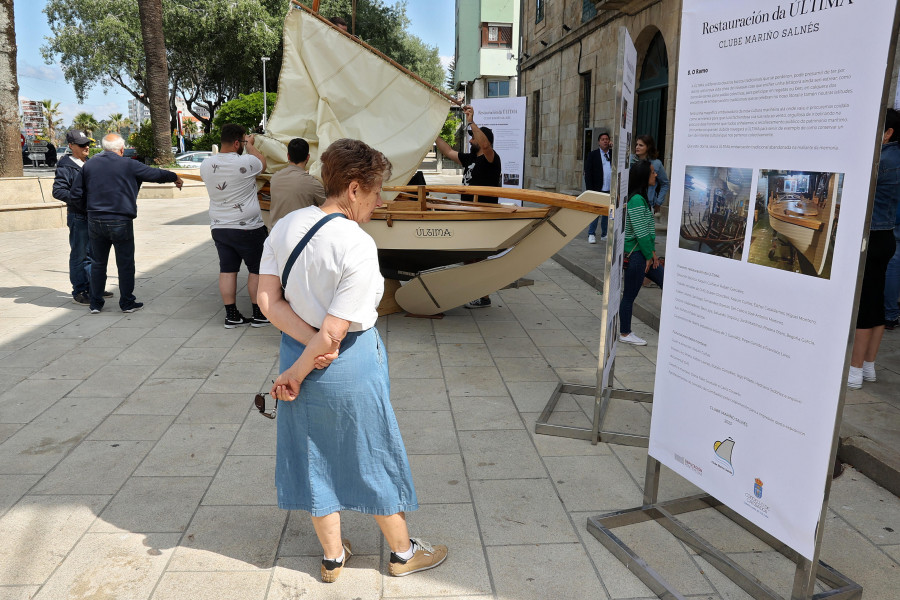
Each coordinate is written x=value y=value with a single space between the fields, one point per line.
x=236 y=245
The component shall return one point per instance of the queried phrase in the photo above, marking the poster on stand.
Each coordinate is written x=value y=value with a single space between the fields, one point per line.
x=615 y=240
x=776 y=126
x=506 y=119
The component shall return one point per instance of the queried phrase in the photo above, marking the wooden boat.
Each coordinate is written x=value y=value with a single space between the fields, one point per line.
x=804 y=219
x=428 y=246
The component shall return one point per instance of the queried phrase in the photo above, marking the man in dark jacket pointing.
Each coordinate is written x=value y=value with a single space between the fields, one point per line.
x=110 y=184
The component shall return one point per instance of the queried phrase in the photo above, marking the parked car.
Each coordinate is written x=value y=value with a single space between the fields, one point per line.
x=131 y=153
x=192 y=160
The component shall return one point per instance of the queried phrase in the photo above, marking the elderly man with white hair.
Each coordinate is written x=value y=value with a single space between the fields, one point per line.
x=110 y=184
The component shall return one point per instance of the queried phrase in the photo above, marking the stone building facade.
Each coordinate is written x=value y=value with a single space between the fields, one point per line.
x=568 y=73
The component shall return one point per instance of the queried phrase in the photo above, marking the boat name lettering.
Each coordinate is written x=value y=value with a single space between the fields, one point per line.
x=434 y=232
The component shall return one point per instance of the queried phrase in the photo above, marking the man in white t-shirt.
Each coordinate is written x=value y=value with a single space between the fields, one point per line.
x=235 y=219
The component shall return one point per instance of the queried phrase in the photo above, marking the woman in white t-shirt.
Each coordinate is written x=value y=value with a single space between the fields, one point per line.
x=339 y=446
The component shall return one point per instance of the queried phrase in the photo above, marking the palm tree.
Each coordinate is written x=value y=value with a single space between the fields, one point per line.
x=52 y=115
x=116 y=122
x=10 y=135
x=86 y=121
x=150 y=12
x=129 y=125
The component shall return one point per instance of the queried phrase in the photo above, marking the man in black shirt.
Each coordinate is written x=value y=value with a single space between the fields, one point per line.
x=481 y=166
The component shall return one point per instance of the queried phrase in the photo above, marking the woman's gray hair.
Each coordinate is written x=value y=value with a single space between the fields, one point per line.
x=112 y=142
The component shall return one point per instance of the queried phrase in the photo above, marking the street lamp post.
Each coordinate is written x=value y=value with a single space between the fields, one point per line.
x=265 y=59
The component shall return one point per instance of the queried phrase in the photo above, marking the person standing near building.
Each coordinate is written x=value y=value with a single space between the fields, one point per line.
x=292 y=187
x=597 y=177
x=110 y=184
x=645 y=149
x=481 y=167
x=235 y=219
x=68 y=169
x=892 y=283
x=870 y=319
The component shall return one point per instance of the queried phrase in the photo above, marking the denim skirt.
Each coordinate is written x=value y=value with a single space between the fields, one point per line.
x=339 y=446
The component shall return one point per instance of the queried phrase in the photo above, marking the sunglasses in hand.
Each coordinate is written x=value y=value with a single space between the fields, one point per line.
x=260 y=402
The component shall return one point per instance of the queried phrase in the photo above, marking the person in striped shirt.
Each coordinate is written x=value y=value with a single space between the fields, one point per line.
x=640 y=246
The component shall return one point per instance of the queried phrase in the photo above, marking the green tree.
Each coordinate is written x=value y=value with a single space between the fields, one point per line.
x=86 y=121
x=116 y=122
x=246 y=110
x=450 y=130
x=10 y=140
x=212 y=48
x=52 y=115
x=384 y=28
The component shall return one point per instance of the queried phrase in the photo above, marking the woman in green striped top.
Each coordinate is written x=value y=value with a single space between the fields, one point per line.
x=640 y=246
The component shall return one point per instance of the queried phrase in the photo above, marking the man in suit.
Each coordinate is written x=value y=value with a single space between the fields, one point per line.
x=597 y=177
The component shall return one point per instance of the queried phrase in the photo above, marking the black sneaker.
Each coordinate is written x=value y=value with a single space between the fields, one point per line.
x=81 y=298
x=236 y=321
x=107 y=294
x=134 y=307
x=892 y=324
x=479 y=303
x=259 y=319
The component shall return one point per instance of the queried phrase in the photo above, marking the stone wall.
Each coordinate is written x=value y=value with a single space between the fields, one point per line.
x=555 y=70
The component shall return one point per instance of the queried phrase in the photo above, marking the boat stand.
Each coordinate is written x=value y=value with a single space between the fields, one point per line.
x=665 y=513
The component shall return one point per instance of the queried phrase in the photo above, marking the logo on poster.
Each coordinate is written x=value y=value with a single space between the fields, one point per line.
x=689 y=464
x=754 y=500
x=722 y=455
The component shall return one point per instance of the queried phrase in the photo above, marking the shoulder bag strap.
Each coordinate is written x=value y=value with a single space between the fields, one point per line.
x=302 y=244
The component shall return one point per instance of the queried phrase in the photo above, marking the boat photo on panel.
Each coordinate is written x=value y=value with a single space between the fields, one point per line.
x=796 y=221
x=716 y=204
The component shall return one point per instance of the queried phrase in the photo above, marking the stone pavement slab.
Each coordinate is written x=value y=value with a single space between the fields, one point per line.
x=132 y=464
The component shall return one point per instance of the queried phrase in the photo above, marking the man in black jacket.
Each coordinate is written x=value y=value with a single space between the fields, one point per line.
x=110 y=183
x=67 y=170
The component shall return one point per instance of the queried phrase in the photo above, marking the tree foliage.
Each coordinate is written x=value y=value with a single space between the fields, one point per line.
x=450 y=131
x=213 y=47
x=86 y=121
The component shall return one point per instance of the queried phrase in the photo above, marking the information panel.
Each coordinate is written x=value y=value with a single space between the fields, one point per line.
x=776 y=125
x=615 y=244
x=506 y=119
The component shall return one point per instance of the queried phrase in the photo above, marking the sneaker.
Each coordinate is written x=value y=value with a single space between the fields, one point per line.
x=95 y=311
x=855 y=378
x=631 y=338
x=331 y=569
x=868 y=371
x=603 y=238
x=892 y=324
x=425 y=557
x=81 y=298
x=107 y=294
x=134 y=307
x=236 y=321
x=479 y=303
x=592 y=239
x=259 y=319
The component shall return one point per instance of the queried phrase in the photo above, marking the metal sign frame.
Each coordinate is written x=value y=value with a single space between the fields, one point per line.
x=602 y=394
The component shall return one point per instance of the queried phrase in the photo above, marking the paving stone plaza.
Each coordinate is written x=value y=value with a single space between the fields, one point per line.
x=132 y=465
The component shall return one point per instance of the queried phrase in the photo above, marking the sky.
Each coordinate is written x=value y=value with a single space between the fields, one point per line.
x=432 y=20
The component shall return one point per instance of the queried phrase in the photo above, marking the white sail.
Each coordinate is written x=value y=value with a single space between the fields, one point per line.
x=331 y=87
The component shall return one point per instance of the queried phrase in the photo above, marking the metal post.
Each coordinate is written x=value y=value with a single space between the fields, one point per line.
x=265 y=96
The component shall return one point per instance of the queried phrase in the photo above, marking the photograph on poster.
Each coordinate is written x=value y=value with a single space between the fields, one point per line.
x=716 y=205
x=511 y=179
x=625 y=114
x=796 y=221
